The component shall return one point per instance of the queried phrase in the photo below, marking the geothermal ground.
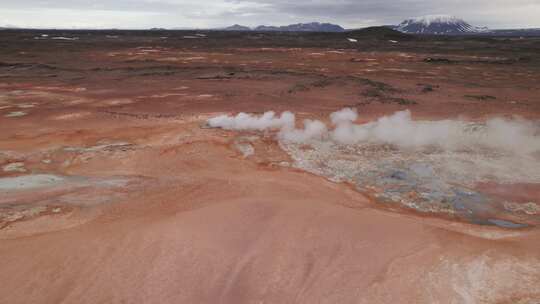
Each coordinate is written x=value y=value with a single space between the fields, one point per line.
x=127 y=175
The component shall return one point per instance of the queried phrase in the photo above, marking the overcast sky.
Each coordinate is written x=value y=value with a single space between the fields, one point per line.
x=218 y=13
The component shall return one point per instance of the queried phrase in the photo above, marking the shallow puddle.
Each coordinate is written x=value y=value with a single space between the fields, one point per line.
x=33 y=181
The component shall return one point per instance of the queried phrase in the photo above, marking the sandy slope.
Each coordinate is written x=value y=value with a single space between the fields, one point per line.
x=262 y=236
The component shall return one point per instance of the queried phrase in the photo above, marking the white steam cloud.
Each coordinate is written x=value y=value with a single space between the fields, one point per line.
x=313 y=129
x=399 y=129
x=346 y=115
x=243 y=121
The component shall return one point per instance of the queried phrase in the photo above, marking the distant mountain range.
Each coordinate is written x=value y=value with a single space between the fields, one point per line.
x=299 y=27
x=427 y=25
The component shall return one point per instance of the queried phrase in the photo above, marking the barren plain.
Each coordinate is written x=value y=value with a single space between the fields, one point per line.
x=114 y=188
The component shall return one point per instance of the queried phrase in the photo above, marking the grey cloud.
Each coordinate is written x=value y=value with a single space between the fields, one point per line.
x=117 y=5
x=391 y=12
x=349 y=13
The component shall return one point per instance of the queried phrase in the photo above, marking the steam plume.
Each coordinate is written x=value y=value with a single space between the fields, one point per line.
x=399 y=129
x=243 y=121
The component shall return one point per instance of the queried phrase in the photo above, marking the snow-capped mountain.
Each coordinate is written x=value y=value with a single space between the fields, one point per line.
x=438 y=25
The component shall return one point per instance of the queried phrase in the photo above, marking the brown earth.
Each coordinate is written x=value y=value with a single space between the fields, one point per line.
x=133 y=202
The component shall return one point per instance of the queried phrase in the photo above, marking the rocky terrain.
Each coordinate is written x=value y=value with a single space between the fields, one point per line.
x=116 y=188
